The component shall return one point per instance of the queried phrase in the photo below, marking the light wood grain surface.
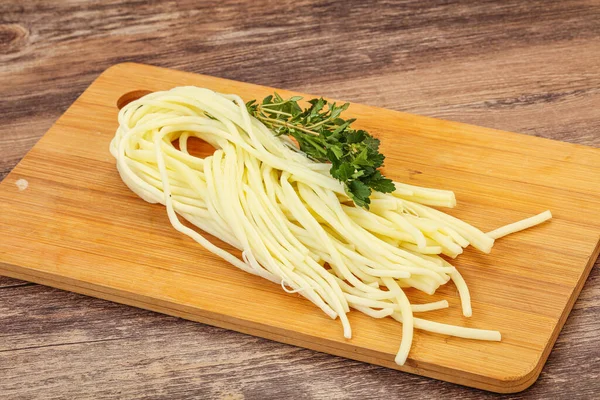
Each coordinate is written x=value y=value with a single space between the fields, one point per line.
x=528 y=68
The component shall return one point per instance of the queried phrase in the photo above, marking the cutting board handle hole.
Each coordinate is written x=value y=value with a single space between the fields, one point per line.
x=131 y=96
x=197 y=147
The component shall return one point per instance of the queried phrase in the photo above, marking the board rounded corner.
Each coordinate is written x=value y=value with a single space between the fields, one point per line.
x=521 y=380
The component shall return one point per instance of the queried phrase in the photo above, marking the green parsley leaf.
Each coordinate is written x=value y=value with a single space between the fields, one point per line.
x=359 y=193
x=383 y=185
x=342 y=173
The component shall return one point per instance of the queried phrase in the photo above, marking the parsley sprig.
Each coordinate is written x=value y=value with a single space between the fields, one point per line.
x=324 y=136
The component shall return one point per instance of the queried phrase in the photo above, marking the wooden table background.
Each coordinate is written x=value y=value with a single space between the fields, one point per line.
x=530 y=67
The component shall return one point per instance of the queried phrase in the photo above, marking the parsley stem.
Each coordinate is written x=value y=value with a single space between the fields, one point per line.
x=275 y=111
x=318 y=147
x=318 y=124
x=273 y=121
x=273 y=104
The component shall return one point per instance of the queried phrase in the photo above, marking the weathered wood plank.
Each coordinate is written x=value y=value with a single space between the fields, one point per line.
x=6 y=282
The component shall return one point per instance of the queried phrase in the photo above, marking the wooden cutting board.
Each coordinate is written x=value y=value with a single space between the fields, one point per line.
x=77 y=227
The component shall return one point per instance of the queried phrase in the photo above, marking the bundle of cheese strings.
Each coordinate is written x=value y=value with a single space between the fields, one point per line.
x=293 y=222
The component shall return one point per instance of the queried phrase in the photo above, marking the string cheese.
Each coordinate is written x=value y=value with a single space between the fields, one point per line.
x=292 y=221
